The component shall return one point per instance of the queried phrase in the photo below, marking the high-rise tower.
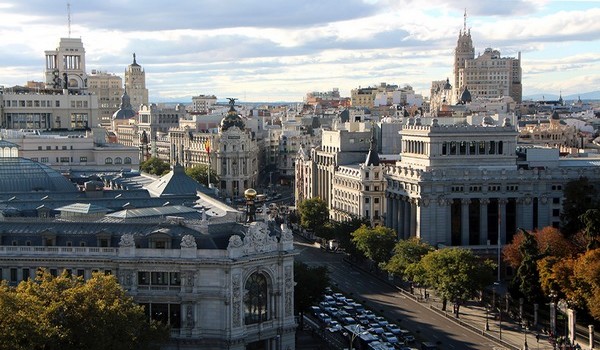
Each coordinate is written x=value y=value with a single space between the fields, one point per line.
x=464 y=51
x=135 y=84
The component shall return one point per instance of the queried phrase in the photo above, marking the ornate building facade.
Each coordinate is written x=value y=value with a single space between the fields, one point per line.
x=465 y=185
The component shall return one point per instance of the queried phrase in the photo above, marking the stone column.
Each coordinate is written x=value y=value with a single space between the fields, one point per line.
x=527 y=218
x=502 y=234
x=483 y=221
x=543 y=212
x=464 y=221
x=519 y=212
x=389 y=208
x=406 y=217
x=413 y=217
x=394 y=214
x=448 y=220
x=400 y=216
x=591 y=335
x=572 y=325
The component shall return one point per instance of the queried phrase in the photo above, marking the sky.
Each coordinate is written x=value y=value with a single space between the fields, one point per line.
x=278 y=50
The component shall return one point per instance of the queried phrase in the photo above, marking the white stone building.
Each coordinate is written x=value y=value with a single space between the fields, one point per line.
x=466 y=185
x=65 y=66
x=135 y=84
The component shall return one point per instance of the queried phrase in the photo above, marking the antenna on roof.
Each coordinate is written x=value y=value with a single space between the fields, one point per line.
x=465 y=21
x=69 y=17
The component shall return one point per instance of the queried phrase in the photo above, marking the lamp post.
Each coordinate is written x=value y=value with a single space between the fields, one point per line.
x=552 y=296
x=487 y=324
x=352 y=336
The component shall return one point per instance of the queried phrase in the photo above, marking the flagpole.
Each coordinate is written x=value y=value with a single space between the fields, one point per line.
x=208 y=154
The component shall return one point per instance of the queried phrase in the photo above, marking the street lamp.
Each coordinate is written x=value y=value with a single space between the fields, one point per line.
x=487 y=324
x=552 y=296
x=352 y=336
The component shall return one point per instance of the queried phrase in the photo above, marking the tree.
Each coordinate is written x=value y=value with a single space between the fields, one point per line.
x=527 y=279
x=310 y=287
x=69 y=313
x=200 y=173
x=376 y=243
x=155 y=166
x=456 y=274
x=579 y=197
x=591 y=226
x=342 y=231
x=407 y=254
x=314 y=214
x=587 y=273
x=550 y=242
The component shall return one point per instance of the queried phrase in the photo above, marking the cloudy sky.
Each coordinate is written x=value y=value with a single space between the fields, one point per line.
x=277 y=50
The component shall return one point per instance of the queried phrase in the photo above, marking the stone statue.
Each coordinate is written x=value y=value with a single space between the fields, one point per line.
x=188 y=241
x=127 y=240
x=235 y=241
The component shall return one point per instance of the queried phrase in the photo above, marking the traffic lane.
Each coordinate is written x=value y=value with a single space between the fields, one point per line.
x=386 y=300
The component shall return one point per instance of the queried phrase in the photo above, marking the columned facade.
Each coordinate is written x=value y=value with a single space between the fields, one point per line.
x=463 y=186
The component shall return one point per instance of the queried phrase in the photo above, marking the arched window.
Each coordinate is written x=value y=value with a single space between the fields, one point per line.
x=118 y=160
x=127 y=160
x=256 y=298
x=108 y=160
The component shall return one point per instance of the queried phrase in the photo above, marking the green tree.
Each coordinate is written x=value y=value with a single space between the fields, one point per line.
x=342 y=231
x=407 y=254
x=310 y=287
x=155 y=166
x=376 y=243
x=527 y=278
x=70 y=313
x=580 y=196
x=200 y=174
x=314 y=214
x=456 y=274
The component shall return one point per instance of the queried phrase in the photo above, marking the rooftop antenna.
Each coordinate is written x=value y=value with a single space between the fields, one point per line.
x=69 y=17
x=465 y=22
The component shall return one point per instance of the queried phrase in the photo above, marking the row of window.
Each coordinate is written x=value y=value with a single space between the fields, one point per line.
x=490 y=188
x=58 y=159
x=31 y=103
x=15 y=275
x=117 y=160
x=472 y=147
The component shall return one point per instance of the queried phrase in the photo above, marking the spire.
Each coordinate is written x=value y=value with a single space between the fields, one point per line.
x=465 y=22
x=134 y=62
x=372 y=156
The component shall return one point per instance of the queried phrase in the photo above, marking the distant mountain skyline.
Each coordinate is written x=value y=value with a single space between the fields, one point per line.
x=592 y=95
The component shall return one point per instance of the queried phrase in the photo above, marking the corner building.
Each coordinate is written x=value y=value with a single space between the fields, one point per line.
x=469 y=185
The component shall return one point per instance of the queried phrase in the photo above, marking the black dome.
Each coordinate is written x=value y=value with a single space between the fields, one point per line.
x=465 y=96
x=232 y=119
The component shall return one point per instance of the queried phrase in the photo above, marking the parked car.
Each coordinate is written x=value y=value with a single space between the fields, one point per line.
x=394 y=329
x=406 y=336
x=390 y=338
x=376 y=330
x=334 y=326
x=348 y=321
x=323 y=317
x=339 y=296
x=382 y=321
x=362 y=319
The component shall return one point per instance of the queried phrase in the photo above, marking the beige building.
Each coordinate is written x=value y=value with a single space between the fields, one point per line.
x=23 y=108
x=488 y=75
x=135 y=84
x=109 y=89
x=203 y=103
x=73 y=151
x=65 y=66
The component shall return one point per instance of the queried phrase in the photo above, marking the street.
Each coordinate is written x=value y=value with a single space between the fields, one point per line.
x=386 y=301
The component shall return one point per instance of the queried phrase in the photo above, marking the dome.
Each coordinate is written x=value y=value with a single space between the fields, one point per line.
x=465 y=96
x=232 y=118
x=24 y=175
x=125 y=110
x=447 y=85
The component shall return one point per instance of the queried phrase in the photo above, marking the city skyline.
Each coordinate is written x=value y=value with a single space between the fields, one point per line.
x=278 y=51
